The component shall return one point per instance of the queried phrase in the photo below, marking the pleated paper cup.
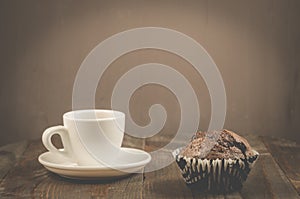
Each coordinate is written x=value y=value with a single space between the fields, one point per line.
x=215 y=175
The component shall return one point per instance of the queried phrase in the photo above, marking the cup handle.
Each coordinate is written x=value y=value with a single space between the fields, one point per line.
x=64 y=135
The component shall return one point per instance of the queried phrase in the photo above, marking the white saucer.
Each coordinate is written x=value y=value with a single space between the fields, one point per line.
x=134 y=162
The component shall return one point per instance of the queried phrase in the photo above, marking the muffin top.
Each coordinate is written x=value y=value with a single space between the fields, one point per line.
x=222 y=144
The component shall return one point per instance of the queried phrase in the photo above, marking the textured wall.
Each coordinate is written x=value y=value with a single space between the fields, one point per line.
x=255 y=44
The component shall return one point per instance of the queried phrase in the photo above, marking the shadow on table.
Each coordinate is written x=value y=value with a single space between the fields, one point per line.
x=88 y=181
x=172 y=188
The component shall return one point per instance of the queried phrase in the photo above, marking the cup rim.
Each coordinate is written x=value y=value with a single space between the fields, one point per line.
x=70 y=115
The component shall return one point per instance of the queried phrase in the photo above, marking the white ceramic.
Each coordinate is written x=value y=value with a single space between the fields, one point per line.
x=128 y=161
x=89 y=137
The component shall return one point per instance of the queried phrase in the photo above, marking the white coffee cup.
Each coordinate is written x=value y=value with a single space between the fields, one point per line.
x=89 y=137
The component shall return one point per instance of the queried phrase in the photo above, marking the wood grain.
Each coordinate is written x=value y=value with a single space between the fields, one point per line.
x=26 y=178
x=256 y=143
x=26 y=174
x=9 y=155
x=166 y=182
x=287 y=155
x=133 y=142
x=266 y=180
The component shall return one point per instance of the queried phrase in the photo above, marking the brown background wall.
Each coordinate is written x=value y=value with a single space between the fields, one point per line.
x=255 y=44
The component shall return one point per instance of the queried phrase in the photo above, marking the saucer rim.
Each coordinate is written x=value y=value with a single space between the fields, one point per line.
x=95 y=167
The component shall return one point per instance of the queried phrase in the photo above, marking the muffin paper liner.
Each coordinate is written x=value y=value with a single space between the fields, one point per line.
x=217 y=175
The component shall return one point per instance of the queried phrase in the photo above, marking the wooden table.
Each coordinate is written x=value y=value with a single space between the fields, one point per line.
x=276 y=175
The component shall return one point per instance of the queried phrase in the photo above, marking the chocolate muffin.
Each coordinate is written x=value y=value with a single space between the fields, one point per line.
x=217 y=161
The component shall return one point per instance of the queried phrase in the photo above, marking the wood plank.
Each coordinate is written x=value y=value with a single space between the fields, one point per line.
x=133 y=142
x=25 y=175
x=287 y=155
x=30 y=179
x=157 y=142
x=266 y=171
x=54 y=186
x=130 y=187
x=256 y=143
x=165 y=183
x=168 y=182
x=35 y=181
x=9 y=155
x=200 y=195
x=235 y=195
x=266 y=180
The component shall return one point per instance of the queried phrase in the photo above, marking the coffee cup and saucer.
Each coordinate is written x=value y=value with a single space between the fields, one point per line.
x=92 y=147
